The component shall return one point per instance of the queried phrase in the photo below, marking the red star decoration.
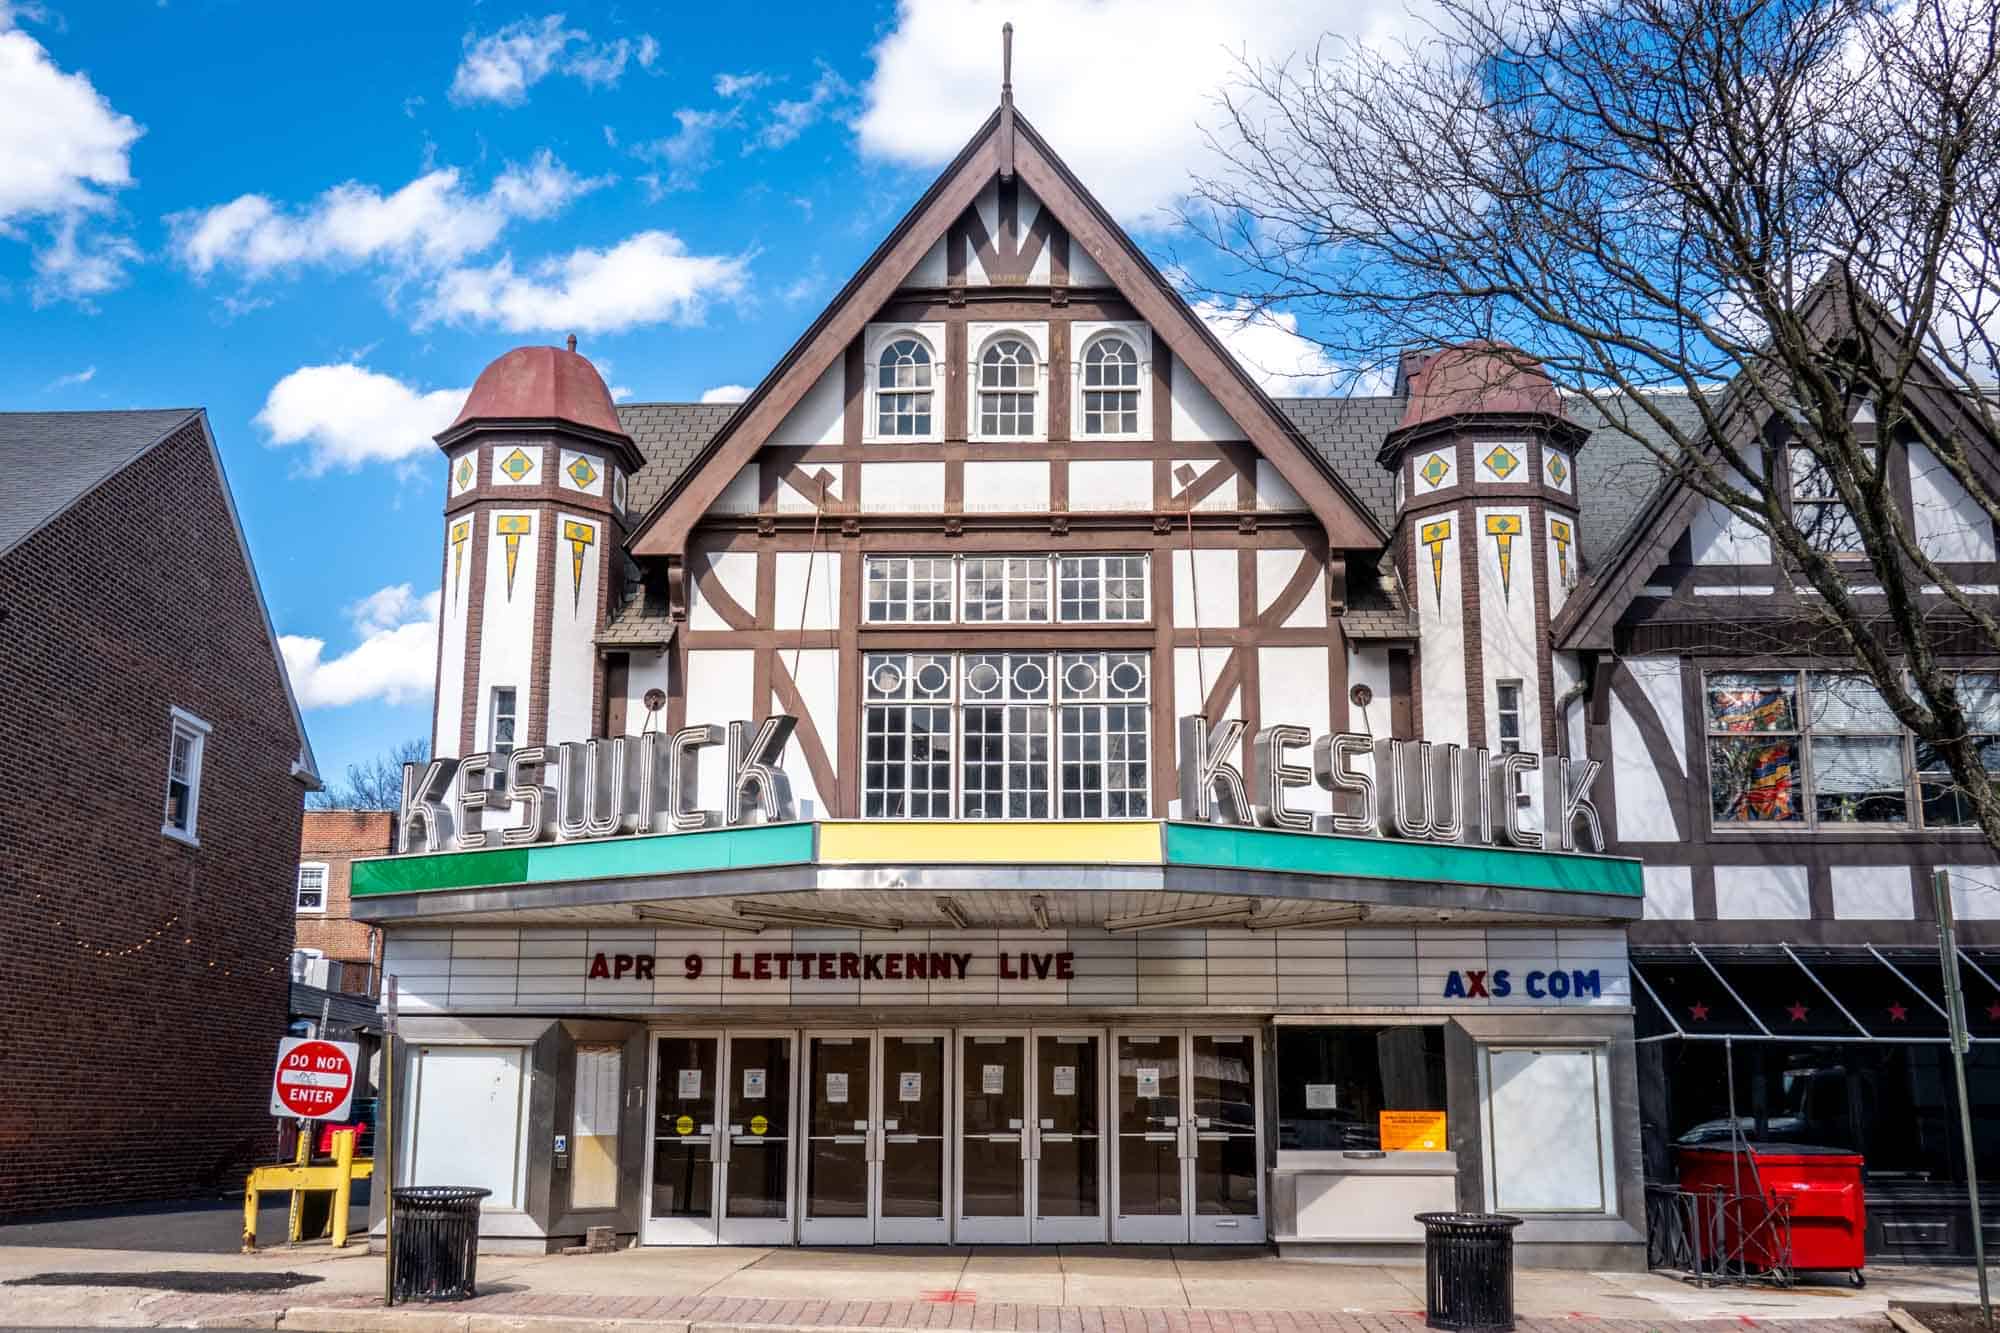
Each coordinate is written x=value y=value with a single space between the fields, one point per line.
x=1993 y=1012
x=1797 y=1011
x=1901 y=1014
x=1699 y=1012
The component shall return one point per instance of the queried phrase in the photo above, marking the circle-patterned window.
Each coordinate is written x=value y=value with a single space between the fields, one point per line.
x=887 y=679
x=1080 y=676
x=932 y=678
x=1126 y=677
x=1029 y=678
x=983 y=678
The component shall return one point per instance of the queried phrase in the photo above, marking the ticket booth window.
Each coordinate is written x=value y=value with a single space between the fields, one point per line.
x=1335 y=1083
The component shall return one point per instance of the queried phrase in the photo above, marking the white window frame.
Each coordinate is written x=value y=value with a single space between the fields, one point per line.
x=325 y=887
x=1046 y=602
x=1052 y=605
x=979 y=337
x=183 y=723
x=878 y=340
x=493 y=719
x=1821 y=502
x=1496 y=1153
x=1141 y=338
x=874 y=560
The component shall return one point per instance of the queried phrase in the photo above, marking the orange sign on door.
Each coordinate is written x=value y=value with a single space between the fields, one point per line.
x=1412 y=1131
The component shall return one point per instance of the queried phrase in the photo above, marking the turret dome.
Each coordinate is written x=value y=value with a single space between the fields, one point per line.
x=541 y=384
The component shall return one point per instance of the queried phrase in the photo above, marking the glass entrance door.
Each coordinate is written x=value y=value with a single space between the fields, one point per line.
x=915 y=1138
x=758 y=1139
x=1067 y=1152
x=993 y=1138
x=1226 y=1168
x=685 y=1149
x=840 y=1147
x=1190 y=1155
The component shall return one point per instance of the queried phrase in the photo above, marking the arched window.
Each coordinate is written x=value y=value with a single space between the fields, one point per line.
x=1007 y=388
x=903 y=389
x=1110 y=387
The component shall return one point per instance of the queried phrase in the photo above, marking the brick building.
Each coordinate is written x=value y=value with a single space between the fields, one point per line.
x=158 y=761
x=341 y=954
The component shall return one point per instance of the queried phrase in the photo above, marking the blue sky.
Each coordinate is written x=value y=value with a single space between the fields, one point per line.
x=320 y=228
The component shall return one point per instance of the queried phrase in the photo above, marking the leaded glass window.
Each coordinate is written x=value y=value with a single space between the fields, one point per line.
x=1101 y=588
x=908 y=589
x=1000 y=588
x=906 y=737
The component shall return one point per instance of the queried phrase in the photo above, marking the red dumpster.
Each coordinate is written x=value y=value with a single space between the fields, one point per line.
x=1818 y=1188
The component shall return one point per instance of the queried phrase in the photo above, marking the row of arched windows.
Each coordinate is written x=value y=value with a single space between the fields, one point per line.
x=1009 y=382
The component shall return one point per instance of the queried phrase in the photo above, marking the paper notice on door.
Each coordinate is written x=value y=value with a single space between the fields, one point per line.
x=1065 y=1081
x=1149 y=1080
x=836 y=1089
x=1411 y=1131
x=597 y=1091
x=690 y=1085
x=992 y=1078
x=753 y=1085
x=910 y=1085
x=1320 y=1096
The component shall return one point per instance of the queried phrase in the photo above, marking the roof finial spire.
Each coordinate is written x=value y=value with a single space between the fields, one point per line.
x=571 y=343
x=1007 y=101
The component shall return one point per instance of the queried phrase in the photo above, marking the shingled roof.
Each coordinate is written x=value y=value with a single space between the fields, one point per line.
x=90 y=446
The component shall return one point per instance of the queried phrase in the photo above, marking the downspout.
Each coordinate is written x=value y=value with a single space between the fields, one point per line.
x=1569 y=698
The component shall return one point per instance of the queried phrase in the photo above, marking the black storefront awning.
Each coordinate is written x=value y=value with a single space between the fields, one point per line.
x=1820 y=994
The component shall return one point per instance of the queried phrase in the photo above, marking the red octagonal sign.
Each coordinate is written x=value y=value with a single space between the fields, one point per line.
x=315 y=1079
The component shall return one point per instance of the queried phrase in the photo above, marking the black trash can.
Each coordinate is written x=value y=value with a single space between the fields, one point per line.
x=437 y=1241
x=1469 y=1271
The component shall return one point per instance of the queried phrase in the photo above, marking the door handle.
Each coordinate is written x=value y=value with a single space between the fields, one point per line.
x=851 y=1138
x=901 y=1138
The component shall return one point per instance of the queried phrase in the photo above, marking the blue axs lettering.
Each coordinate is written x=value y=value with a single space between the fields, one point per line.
x=1498 y=983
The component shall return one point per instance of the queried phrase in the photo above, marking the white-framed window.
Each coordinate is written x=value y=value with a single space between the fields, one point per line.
x=1507 y=725
x=312 y=886
x=188 y=739
x=500 y=721
x=1817 y=510
x=1004 y=588
x=1086 y=589
x=1009 y=735
x=909 y=589
x=1092 y=588
x=1008 y=395
x=1110 y=386
x=905 y=388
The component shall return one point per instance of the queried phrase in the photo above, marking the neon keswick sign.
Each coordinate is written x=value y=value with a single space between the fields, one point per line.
x=613 y=786
x=1415 y=790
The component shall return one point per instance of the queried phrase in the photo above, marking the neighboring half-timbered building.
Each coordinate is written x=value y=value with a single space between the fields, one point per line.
x=1013 y=780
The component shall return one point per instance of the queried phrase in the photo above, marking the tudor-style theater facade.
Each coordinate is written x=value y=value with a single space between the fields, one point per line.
x=970 y=792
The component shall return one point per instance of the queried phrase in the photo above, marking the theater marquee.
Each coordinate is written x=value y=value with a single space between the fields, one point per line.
x=606 y=787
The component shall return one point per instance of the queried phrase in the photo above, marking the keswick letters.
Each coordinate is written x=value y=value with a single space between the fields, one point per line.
x=602 y=788
x=1430 y=791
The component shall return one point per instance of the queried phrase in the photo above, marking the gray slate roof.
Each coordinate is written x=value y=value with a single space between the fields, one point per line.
x=1616 y=478
x=54 y=459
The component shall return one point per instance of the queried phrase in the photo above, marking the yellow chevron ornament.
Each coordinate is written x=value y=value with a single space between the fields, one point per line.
x=513 y=527
x=1503 y=529
x=1435 y=535
x=580 y=537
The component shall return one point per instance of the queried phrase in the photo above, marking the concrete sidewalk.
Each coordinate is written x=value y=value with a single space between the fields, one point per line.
x=1083 y=1289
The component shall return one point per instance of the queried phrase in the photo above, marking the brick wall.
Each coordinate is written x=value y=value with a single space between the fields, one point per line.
x=143 y=982
x=336 y=837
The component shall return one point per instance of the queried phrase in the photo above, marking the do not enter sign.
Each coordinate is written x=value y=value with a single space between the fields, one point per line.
x=315 y=1079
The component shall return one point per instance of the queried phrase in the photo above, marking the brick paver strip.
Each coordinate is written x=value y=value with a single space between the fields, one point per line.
x=721 y=1313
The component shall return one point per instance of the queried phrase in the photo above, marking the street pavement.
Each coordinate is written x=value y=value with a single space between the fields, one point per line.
x=1079 y=1289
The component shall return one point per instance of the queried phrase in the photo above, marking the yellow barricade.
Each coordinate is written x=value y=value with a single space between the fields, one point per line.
x=298 y=1176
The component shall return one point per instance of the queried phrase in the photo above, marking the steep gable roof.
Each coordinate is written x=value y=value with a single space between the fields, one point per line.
x=1589 y=617
x=1349 y=522
x=54 y=459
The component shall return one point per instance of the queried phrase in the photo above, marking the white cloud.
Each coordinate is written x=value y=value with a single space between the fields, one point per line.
x=689 y=150
x=725 y=393
x=1131 y=129
x=78 y=264
x=740 y=85
x=792 y=117
x=648 y=278
x=394 y=660
x=348 y=415
x=84 y=376
x=64 y=153
x=1269 y=345
x=431 y=222
x=503 y=65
